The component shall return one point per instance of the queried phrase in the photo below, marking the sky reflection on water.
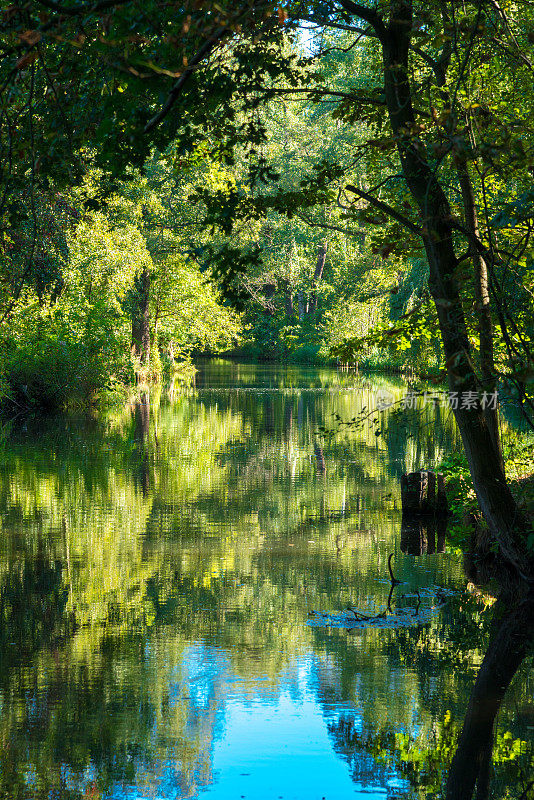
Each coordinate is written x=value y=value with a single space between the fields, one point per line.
x=158 y=567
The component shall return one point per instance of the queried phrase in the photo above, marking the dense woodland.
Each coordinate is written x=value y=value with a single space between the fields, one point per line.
x=324 y=182
x=250 y=157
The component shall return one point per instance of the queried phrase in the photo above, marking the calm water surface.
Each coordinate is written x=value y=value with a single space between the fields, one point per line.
x=159 y=570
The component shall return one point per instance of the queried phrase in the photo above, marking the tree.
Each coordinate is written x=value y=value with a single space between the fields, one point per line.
x=439 y=231
x=124 y=282
x=427 y=58
x=441 y=148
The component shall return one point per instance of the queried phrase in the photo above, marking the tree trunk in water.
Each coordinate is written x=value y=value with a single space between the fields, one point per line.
x=508 y=647
x=319 y=267
x=423 y=493
x=141 y=319
x=507 y=523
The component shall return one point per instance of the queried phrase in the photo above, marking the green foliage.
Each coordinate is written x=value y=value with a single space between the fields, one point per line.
x=70 y=346
x=282 y=131
x=424 y=760
x=397 y=336
x=188 y=311
x=518 y=452
x=63 y=355
x=461 y=498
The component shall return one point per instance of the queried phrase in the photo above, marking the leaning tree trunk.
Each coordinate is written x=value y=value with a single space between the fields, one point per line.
x=505 y=520
x=141 y=319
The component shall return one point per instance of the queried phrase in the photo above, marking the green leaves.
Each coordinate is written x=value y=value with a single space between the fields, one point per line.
x=518 y=210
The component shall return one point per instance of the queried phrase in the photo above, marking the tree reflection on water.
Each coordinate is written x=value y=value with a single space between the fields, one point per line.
x=449 y=759
x=157 y=568
x=511 y=640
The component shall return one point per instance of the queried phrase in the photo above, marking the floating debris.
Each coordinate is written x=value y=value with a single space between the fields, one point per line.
x=406 y=617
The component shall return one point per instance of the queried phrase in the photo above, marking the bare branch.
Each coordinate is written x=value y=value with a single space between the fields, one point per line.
x=328 y=226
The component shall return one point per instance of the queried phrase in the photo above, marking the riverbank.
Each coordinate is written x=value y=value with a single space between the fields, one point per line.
x=518 y=451
x=382 y=364
x=45 y=392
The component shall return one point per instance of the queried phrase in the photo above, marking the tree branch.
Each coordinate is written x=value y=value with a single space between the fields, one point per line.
x=368 y=14
x=387 y=209
x=328 y=226
x=197 y=59
x=176 y=90
x=87 y=9
x=326 y=23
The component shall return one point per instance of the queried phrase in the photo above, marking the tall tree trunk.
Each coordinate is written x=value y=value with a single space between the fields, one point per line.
x=483 y=308
x=301 y=304
x=481 y=282
x=141 y=319
x=288 y=297
x=319 y=267
x=505 y=520
x=156 y=329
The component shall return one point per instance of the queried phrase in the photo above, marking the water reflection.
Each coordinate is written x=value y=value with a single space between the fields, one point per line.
x=157 y=569
x=511 y=640
x=420 y=535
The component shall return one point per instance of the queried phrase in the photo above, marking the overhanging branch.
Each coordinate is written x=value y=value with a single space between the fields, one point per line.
x=89 y=8
x=387 y=209
x=176 y=90
x=370 y=15
x=330 y=227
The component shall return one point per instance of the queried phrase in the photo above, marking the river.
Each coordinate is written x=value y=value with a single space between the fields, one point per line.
x=164 y=572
